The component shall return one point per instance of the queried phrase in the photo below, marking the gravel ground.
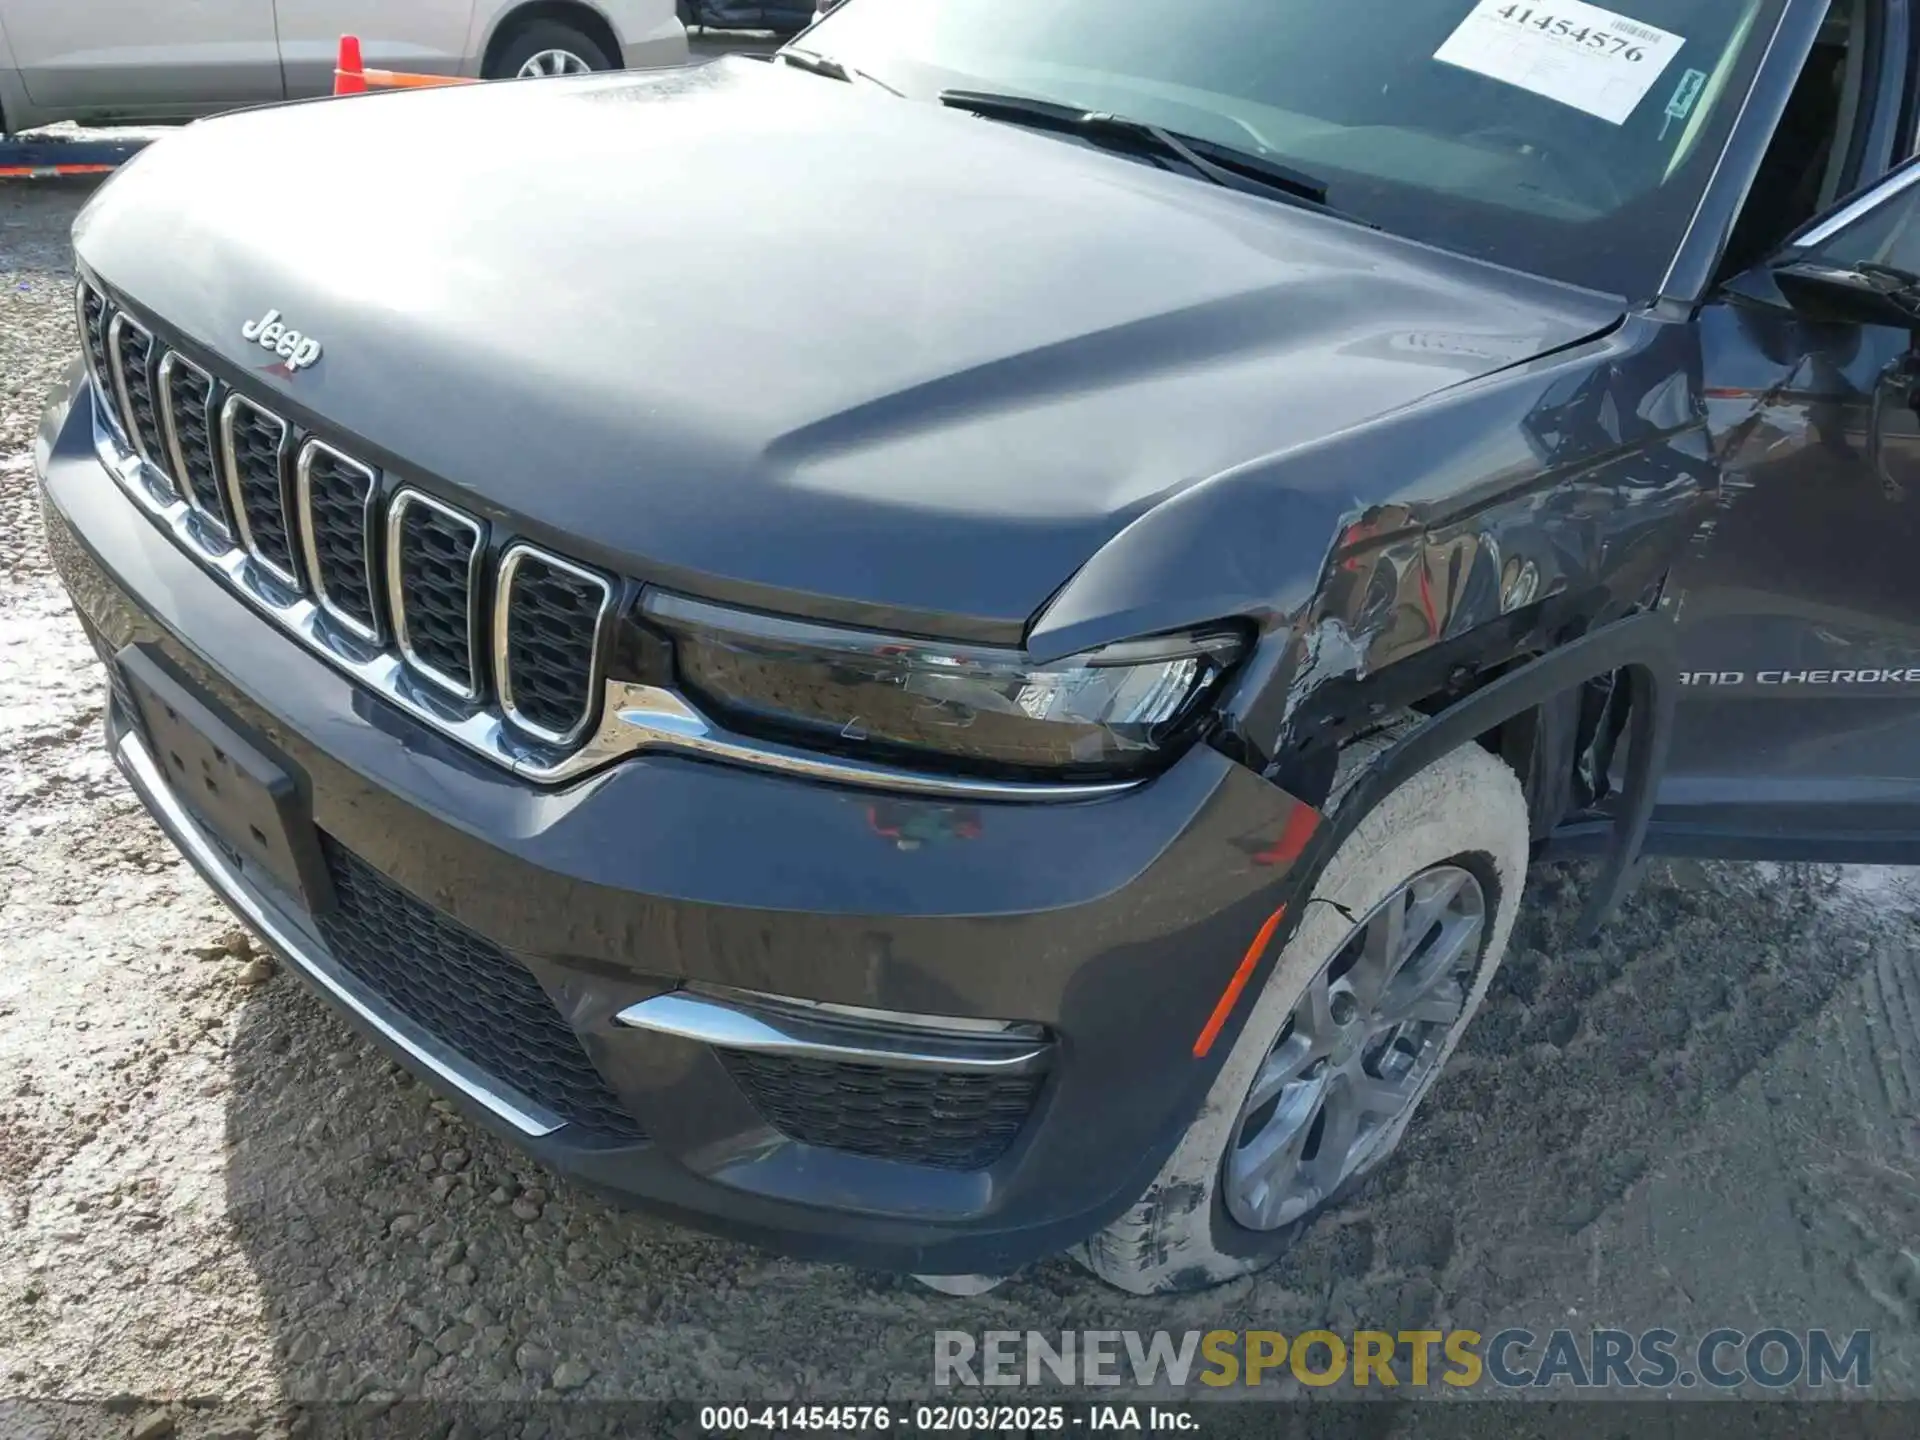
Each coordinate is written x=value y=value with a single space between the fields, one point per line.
x=213 y=1195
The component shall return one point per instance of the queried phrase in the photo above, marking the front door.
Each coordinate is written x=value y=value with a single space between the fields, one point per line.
x=144 y=59
x=430 y=37
x=1799 y=603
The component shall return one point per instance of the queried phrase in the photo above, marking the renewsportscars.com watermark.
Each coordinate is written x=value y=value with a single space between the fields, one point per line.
x=1596 y=1359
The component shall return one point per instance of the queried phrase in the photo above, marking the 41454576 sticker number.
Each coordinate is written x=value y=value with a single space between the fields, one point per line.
x=1564 y=50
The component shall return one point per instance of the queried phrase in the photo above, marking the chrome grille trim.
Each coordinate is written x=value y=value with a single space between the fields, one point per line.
x=116 y=328
x=81 y=292
x=214 y=514
x=303 y=485
x=98 y=366
x=381 y=672
x=647 y=717
x=237 y=499
x=502 y=609
x=402 y=502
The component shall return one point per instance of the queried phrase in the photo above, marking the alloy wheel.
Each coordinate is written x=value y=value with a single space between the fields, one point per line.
x=553 y=62
x=1357 y=1051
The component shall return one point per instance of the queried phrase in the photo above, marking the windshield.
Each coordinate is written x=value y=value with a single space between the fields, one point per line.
x=1561 y=138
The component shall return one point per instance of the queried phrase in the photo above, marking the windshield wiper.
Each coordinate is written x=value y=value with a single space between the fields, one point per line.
x=1226 y=165
x=815 y=63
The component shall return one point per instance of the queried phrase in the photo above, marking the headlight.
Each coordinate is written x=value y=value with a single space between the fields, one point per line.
x=1118 y=711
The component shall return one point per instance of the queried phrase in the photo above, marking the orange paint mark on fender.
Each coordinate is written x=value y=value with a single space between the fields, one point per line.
x=49 y=172
x=1231 y=995
x=1293 y=837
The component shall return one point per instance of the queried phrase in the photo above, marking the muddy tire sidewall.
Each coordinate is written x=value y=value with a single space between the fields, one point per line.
x=1466 y=808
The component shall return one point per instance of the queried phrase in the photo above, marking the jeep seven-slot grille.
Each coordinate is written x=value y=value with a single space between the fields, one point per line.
x=257 y=445
x=93 y=335
x=187 y=397
x=388 y=566
x=465 y=990
x=338 y=494
x=436 y=597
x=134 y=357
x=551 y=618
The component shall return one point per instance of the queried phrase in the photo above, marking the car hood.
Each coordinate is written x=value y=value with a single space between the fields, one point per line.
x=765 y=335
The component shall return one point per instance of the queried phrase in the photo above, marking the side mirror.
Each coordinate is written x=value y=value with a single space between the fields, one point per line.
x=1852 y=294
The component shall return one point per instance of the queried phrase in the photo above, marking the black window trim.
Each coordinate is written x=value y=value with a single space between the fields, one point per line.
x=1696 y=264
x=1859 y=206
x=1878 y=172
x=1884 y=176
x=1875 y=134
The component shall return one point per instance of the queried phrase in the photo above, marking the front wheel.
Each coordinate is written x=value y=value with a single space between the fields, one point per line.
x=549 y=47
x=1391 y=958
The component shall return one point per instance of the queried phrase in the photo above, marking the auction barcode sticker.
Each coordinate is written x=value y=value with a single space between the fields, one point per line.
x=1566 y=50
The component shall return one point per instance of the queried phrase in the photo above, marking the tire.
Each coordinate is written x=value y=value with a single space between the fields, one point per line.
x=1463 y=815
x=540 y=38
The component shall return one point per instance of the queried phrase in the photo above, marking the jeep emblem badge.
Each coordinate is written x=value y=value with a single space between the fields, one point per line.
x=270 y=332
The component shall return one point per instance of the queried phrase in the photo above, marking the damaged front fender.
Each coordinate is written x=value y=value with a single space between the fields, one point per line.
x=1409 y=562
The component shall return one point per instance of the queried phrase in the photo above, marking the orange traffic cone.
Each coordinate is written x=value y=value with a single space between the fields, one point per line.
x=349 y=74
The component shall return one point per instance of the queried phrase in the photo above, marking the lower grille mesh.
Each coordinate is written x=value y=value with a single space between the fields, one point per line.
x=467 y=991
x=922 y=1117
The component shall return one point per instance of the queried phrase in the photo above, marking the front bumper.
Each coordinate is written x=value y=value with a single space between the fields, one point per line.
x=1111 y=926
x=648 y=49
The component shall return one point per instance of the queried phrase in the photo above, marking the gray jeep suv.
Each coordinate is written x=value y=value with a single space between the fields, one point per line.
x=1029 y=736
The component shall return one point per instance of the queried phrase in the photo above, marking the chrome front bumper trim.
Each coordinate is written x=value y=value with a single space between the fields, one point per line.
x=645 y=717
x=304 y=950
x=801 y=1030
